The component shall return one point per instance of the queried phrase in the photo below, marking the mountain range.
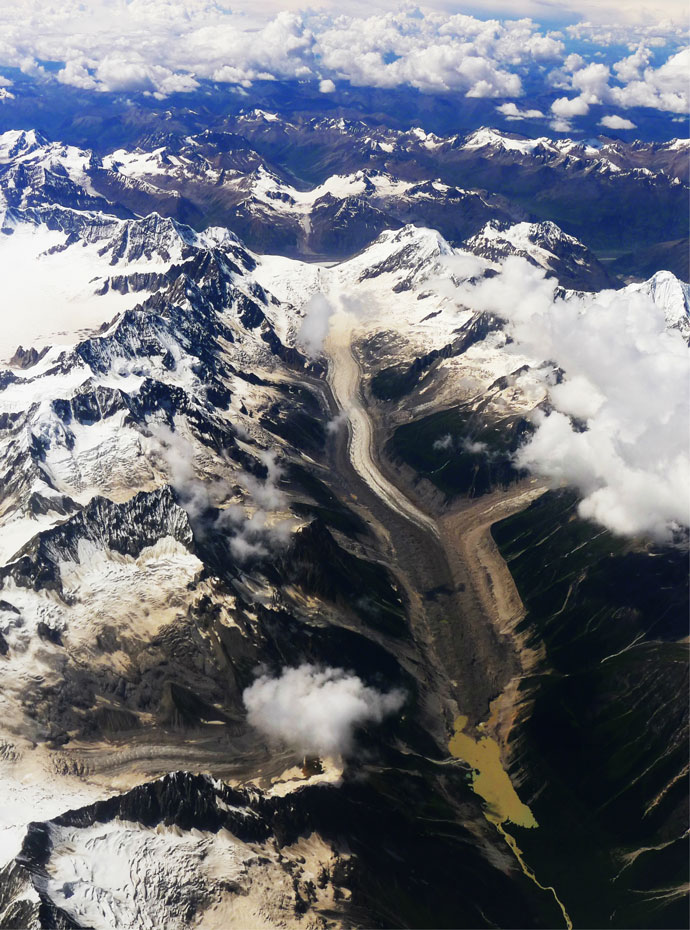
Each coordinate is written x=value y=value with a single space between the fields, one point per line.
x=265 y=400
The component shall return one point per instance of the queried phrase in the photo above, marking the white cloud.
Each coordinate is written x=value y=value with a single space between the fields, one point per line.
x=340 y=420
x=265 y=492
x=617 y=122
x=76 y=74
x=512 y=112
x=255 y=527
x=630 y=68
x=663 y=88
x=565 y=107
x=474 y=448
x=177 y=453
x=431 y=52
x=445 y=442
x=124 y=73
x=658 y=27
x=592 y=82
x=573 y=62
x=317 y=319
x=626 y=377
x=163 y=47
x=118 y=72
x=316 y=710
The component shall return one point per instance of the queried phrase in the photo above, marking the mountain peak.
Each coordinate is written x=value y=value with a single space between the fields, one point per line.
x=17 y=142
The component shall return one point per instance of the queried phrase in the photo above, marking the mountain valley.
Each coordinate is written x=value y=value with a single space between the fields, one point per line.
x=277 y=401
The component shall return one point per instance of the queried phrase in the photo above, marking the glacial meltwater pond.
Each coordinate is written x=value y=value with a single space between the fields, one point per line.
x=490 y=780
x=492 y=783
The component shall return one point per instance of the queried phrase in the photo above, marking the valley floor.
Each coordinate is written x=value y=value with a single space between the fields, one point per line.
x=462 y=599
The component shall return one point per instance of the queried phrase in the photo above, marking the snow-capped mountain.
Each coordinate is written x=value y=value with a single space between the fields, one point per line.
x=603 y=156
x=228 y=857
x=245 y=177
x=548 y=247
x=334 y=218
x=640 y=189
x=35 y=172
x=222 y=461
x=672 y=295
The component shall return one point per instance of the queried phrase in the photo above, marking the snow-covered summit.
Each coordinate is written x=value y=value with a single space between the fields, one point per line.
x=672 y=295
x=546 y=245
x=487 y=138
x=658 y=161
x=18 y=143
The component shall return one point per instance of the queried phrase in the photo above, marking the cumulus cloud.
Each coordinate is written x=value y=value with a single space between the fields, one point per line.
x=592 y=82
x=161 y=47
x=336 y=423
x=165 y=47
x=629 y=14
x=462 y=266
x=631 y=68
x=663 y=88
x=573 y=62
x=445 y=442
x=617 y=122
x=76 y=74
x=316 y=710
x=266 y=492
x=620 y=421
x=657 y=27
x=473 y=447
x=565 y=107
x=430 y=52
x=197 y=497
x=640 y=84
x=512 y=112
x=253 y=536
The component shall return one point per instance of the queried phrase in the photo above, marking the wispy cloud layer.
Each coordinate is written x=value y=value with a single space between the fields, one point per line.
x=255 y=527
